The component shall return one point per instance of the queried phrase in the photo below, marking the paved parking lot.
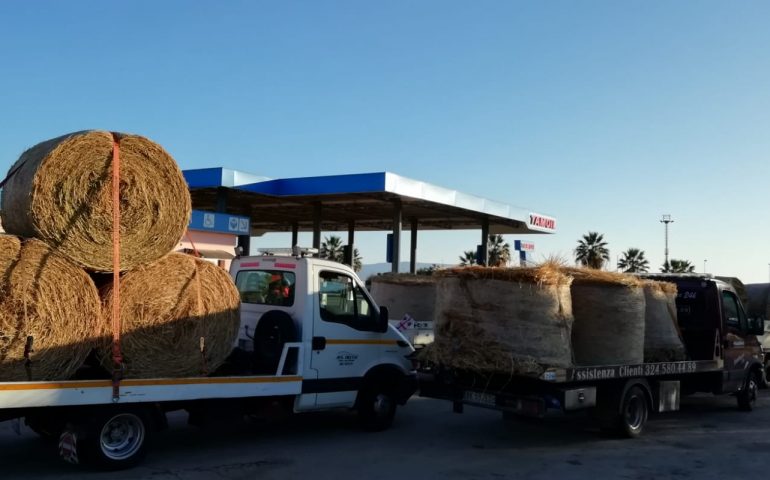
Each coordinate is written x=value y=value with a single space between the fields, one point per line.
x=709 y=438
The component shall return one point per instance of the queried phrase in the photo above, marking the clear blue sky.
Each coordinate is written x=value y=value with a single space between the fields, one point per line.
x=604 y=114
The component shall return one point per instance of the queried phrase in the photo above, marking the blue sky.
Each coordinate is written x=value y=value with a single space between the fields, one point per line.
x=604 y=114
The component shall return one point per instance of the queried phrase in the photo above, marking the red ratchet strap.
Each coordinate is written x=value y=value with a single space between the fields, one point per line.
x=117 y=356
x=196 y=253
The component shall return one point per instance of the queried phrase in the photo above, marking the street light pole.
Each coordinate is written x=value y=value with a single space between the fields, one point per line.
x=704 y=266
x=666 y=219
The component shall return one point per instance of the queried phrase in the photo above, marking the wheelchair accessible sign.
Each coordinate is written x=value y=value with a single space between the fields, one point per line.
x=219 y=223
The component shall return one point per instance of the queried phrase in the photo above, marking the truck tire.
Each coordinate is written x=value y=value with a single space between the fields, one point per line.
x=632 y=416
x=376 y=407
x=275 y=328
x=747 y=396
x=114 y=439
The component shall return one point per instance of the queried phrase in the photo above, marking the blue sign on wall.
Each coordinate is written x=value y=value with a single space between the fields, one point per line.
x=219 y=223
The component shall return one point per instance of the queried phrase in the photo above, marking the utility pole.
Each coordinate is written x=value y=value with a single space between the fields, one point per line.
x=666 y=220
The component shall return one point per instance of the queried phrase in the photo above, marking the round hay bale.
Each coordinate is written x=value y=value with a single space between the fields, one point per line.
x=46 y=297
x=62 y=194
x=609 y=317
x=166 y=307
x=662 y=341
x=406 y=294
x=509 y=320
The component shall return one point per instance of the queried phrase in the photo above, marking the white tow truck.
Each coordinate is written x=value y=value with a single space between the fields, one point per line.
x=311 y=338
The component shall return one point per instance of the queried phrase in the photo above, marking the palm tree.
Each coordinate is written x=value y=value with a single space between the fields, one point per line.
x=358 y=261
x=633 y=261
x=468 y=258
x=592 y=251
x=678 y=266
x=331 y=248
x=499 y=251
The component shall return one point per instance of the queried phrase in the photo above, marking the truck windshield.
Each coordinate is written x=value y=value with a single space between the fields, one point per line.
x=266 y=287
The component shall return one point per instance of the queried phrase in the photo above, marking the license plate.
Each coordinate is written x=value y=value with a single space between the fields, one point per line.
x=480 y=398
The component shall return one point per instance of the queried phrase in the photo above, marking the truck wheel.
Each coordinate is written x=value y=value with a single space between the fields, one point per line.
x=630 y=422
x=634 y=413
x=376 y=408
x=747 y=396
x=274 y=329
x=114 y=440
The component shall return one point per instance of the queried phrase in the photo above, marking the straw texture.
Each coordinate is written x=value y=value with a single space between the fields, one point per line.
x=510 y=320
x=47 y=297
x=61 y=194
x=406 y=294
x=662 y=341
x=609 y=310
x=166 y=308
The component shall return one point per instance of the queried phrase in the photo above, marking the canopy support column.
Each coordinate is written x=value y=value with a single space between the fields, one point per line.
x=294 y=234
x=413 y=248
x=485 y=241
x=317 y=226
x=396 y=235
x=351 y=242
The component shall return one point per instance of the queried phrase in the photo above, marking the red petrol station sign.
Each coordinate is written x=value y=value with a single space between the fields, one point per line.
x=541 y=222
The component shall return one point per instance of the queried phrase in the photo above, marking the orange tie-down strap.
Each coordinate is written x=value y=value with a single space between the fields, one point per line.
x=117 y=356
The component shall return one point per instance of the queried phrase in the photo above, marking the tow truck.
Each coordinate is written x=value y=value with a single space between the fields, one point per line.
x=311 y=338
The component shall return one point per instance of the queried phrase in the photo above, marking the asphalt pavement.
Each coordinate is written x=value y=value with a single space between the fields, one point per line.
x=709 y=438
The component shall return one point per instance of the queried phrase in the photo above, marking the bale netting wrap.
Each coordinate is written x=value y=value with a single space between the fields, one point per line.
x=406 y=294
x=609 y=317
x=61 y=193
x=662 y=341
x=47 y=300
x=504 y=320
x=166 y=308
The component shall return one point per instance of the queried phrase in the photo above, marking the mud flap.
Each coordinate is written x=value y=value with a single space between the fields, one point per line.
x=68 y=447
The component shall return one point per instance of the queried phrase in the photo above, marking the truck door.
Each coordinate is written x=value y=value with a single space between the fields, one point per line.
x=345 y=342
x=738 y=348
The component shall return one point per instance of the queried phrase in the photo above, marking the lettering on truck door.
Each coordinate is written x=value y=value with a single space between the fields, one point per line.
x=345 y=343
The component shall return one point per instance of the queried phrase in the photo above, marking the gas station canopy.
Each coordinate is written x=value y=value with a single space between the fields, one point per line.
x=364 y=202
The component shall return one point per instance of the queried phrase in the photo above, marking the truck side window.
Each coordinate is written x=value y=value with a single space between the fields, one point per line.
x=734 y=316
x=266 y=287
x=341 y=300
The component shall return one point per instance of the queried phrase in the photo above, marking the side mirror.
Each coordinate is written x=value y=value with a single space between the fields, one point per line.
x=756 y=326
x=384 y=320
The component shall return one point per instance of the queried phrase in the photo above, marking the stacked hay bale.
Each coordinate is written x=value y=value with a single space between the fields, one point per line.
x=662 y=339
x=503 y=319
x=609 y=311
x=49 y=312
x=406 y=294
x=60 y=192
x=190 y=301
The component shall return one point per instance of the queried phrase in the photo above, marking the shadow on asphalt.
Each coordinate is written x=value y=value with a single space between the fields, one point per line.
x=426 y=426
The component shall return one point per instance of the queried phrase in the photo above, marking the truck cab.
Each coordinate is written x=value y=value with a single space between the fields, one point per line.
x=713 y=324
x=350 y=355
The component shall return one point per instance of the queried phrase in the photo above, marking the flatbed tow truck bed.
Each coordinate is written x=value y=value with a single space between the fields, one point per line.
x=613 y=391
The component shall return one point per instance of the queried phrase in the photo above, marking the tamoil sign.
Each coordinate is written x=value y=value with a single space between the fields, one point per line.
x=542 y=222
